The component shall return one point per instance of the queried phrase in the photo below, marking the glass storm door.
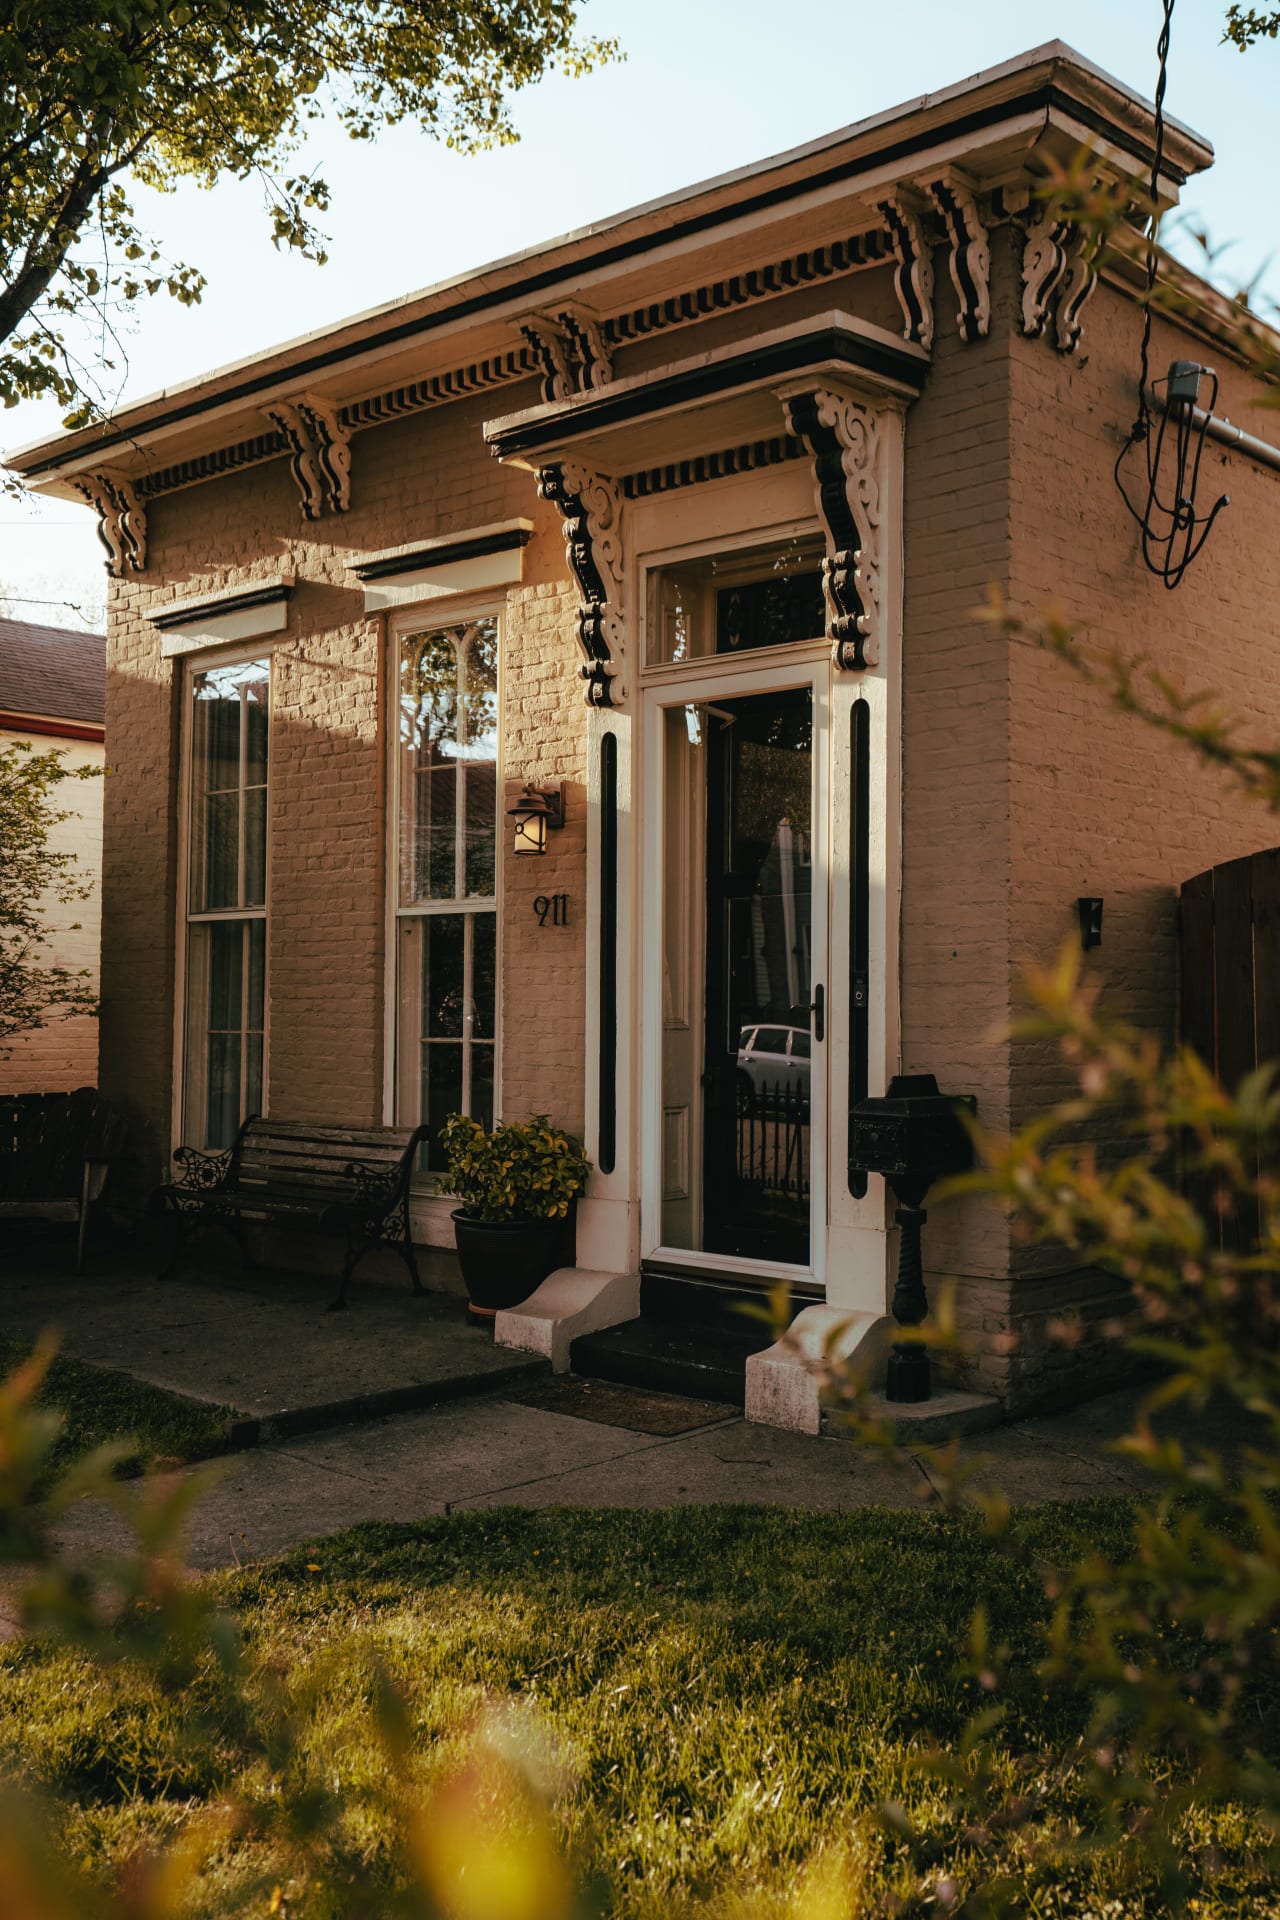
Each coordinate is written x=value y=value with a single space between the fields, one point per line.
x=757 y=1044
x=743 y=975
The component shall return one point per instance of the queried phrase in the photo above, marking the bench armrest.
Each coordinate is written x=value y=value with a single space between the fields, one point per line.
x=203 y=1172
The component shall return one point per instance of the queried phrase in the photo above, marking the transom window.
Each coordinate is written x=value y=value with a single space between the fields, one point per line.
x=446 y=865
x=225 y=1005
x=725 y=603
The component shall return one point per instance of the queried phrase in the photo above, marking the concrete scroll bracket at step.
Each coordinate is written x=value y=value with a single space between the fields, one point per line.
x=569 y=1302
x=784 y=1382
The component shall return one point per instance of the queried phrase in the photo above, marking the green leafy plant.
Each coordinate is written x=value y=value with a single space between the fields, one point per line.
x=518 y=1172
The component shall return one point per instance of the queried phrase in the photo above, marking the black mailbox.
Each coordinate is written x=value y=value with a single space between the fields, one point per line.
x=912 y=1135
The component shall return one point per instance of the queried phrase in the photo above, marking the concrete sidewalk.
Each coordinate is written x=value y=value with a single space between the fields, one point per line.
x=306 y=1385
x=494 y=1452
x=264 y=1344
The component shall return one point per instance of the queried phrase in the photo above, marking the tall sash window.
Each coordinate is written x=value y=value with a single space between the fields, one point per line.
x=446 y=867
x=225 y=1005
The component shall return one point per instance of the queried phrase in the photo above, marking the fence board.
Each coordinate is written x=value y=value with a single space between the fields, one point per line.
x=1196 y=1024
x=1266 y=953
x=1233 y=970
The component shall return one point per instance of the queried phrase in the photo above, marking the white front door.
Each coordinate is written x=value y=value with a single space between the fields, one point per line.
x=736 y=988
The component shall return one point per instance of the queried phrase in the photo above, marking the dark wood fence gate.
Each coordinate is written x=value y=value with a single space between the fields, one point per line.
x=1229 y=982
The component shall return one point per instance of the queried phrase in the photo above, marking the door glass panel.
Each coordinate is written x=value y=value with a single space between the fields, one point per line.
x=738 y=912
x=736 y=602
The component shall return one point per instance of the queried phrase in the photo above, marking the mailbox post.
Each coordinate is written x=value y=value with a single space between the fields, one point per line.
x=912 y=1135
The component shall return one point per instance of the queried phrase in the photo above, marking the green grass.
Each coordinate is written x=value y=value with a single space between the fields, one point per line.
x=99 y=1405
x=727 y=1690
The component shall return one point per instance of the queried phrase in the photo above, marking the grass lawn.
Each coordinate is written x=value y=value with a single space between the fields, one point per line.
x=727 y=1689
x=99 y=1405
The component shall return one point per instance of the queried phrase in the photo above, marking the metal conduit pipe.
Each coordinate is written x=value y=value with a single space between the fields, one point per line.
x=1228 y=435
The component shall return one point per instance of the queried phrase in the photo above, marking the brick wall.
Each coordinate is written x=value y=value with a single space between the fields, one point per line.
x=955 y=723
x=417 y=478
x=1099 y=803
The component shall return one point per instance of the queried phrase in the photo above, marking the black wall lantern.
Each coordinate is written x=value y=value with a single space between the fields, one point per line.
x=912 y=1135
x=537 y=809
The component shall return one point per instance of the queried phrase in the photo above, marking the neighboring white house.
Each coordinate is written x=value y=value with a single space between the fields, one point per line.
x=52 y=694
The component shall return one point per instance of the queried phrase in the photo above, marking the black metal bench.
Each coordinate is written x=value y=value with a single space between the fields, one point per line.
x=340 y=1180
x=56 y=1150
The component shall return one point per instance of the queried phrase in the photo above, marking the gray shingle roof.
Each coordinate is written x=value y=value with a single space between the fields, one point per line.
x=52 y=672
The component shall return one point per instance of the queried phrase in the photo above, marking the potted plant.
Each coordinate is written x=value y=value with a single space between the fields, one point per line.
x=519 y=1188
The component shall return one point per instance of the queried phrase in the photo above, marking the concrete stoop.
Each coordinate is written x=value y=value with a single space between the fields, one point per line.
x=949 y=1415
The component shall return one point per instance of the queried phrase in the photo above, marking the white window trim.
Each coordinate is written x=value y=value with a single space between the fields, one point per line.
x=431 y=616
x=186 y=668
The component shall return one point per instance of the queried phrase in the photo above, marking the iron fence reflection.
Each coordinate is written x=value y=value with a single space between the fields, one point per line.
x=773 y=1138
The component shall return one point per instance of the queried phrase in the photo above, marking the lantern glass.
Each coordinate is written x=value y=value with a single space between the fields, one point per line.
x=530 y=830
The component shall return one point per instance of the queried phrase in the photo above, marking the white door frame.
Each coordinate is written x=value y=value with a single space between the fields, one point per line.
x=765 y=672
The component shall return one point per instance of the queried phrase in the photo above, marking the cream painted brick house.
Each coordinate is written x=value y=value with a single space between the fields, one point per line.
x=688 y=514
x=52 y=694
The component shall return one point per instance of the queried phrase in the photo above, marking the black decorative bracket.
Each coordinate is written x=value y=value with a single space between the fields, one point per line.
x=970 y=257
x=122 y=519
x=905 y=218
x=319 y=453
x=571 y=353
x=1059 y=274
x=844 y=439
x=590 y=505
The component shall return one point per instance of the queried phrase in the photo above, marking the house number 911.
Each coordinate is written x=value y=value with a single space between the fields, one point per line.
x=552 y=908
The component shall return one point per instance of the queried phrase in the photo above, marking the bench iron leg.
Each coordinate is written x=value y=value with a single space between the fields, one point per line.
x=355 y=1253
x=407 y=1252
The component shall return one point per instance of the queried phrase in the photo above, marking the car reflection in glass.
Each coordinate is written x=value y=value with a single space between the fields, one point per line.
x=774 y=1060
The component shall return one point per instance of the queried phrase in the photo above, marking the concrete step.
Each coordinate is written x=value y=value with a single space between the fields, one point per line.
x=947 y=1414
x=694 y=1358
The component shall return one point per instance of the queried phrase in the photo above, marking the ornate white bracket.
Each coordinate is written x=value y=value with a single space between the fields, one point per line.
x=1058 y=271
x=319 y=453
x=913 y=275
x=844 y=438
x=571 y=351
x=590 y=505
x=122 y=519
x=970 y=251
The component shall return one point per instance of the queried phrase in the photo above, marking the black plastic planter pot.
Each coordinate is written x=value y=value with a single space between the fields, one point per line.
x=503 y=1261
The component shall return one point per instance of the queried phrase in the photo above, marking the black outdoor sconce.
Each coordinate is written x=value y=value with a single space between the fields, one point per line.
x=912 y=1135
x=1089 y=907
x=537 y=809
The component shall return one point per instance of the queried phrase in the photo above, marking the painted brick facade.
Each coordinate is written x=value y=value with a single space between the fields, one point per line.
x=1021 y=788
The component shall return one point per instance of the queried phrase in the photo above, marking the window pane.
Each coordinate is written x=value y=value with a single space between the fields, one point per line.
x=228 y=754
x=482 y=1084
x=443 y=994
x=480 y=761
x=484 y=969
x=735 y=602
x=429 y=670
x=447 y=1001
x=226 y=943
x=221 y=853
x=255 y=848
x=225 y=1007
x=441 y=1091
x=223 y=1112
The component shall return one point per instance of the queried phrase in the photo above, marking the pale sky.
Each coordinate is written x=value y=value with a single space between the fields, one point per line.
x=705 y=87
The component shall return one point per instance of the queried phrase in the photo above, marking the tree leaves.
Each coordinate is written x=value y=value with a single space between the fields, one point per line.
x=93 y=92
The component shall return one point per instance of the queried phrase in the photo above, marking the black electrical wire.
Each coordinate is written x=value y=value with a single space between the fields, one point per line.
x=1167 y=549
